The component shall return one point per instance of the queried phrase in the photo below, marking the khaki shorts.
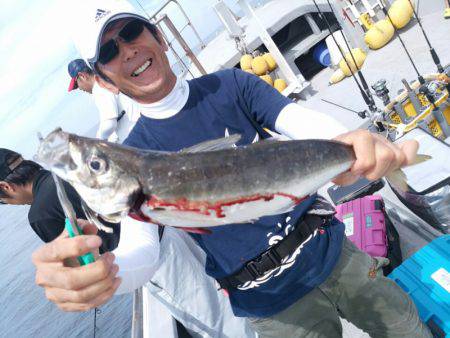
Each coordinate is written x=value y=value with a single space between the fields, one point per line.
x=357 y=291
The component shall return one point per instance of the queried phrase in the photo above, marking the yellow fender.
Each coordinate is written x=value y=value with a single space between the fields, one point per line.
x=359 y=56
x=280 y=85
x=271 y=63
x=267 y=78
x=337 y=76
x=400 y=13
x=380 y=34
x=246 y=62
x=259 y=65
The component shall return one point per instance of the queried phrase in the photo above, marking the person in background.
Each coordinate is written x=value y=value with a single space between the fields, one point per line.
x=24 y=182
x=117 y=112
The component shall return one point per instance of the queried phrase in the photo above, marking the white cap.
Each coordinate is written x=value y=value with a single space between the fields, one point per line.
x=89 y=19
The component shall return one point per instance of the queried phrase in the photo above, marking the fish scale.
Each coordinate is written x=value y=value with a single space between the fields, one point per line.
x=260 y=168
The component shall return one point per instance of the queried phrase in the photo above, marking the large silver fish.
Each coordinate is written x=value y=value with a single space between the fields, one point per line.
x=212 y=183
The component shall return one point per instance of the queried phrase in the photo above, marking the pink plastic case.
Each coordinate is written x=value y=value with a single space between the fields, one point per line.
x=365 y=224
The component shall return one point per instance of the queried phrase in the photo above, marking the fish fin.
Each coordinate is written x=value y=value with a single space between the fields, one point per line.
x=221 y=143
x=420 y=158
x=93 y=218
x=398 y=179
x=271 y=139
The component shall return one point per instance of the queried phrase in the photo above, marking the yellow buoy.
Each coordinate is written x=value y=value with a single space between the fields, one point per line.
x=246 y=62
x=337 y=76
x=379 y=35
x=267 y=78
x=408 y=5
x=400 y=13
x=271 y=63
x=280 y=85
x=249 y=71
x=386 y=26
x=259 y=65
x=359 y=56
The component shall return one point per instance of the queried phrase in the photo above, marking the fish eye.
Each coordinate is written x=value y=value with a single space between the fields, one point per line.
x=97 y=165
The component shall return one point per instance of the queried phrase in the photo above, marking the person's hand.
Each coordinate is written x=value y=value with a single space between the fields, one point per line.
x=375 y=156
x=71 y=287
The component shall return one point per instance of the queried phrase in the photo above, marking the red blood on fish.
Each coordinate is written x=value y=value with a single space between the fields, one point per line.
x=139 y=216
x=205 y=208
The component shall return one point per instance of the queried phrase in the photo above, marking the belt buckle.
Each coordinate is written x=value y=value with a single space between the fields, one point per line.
x=253 y=266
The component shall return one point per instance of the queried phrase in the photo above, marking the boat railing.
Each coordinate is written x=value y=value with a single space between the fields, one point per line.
x=171 y=34
x=182 y=42
x=188 y=21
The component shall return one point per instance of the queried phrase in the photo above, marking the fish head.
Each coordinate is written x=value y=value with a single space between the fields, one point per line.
x=103 y=173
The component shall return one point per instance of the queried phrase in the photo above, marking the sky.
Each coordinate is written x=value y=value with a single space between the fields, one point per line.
x=35 y=50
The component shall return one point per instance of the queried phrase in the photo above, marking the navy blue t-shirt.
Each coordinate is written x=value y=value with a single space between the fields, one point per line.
x=215 y=108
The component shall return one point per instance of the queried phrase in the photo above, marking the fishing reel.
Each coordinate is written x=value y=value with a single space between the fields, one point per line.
x=381 y=91
x=425 y=105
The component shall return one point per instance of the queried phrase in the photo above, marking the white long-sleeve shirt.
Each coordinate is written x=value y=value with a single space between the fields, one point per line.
x=117 y=114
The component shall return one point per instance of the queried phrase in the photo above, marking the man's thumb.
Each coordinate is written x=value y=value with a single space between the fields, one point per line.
x=88 y=228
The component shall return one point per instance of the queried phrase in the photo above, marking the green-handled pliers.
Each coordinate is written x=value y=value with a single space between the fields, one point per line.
x=71 y=220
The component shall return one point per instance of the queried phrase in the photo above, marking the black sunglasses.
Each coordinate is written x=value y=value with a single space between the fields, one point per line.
x=110 y=49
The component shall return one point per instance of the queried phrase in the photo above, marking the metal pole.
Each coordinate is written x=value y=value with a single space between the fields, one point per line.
x=174 y=52
x=355 y=39
x=164 y=18
x=137 y=324
x=185 y=16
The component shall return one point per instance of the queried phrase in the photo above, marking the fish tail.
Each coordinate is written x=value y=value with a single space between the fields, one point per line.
x=420 y=158
x=398 y=177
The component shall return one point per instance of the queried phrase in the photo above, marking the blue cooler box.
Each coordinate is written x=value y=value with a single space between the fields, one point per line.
x=425 y=276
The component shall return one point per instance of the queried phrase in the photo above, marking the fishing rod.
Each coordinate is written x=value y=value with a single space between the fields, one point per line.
x=96 y=310
x=360 y=74
x=369 y=101
x=433 y=53
x=397 y=34
x=423 y=87
x=361 y=114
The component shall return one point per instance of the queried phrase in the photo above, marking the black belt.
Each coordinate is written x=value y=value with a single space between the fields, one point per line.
x=271 y=258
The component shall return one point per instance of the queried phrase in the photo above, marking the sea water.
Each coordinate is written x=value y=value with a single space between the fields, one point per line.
x=25 y=312
x=34 y=97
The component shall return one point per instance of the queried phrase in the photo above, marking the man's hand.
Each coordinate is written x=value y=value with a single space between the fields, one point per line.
x=78 y=288
x=375 y=156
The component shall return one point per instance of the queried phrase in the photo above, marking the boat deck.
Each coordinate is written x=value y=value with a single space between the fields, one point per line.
x=274 y=16
x=389 y=63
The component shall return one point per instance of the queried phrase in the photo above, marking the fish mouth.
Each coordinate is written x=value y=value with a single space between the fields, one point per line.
x=138 y=71
x=54 y=153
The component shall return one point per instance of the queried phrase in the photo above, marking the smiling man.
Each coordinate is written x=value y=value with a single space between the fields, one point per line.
x=291 y=274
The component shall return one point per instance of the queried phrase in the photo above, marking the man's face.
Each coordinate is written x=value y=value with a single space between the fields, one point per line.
x=13 y=194
x=85 y=82
x=141 y=69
